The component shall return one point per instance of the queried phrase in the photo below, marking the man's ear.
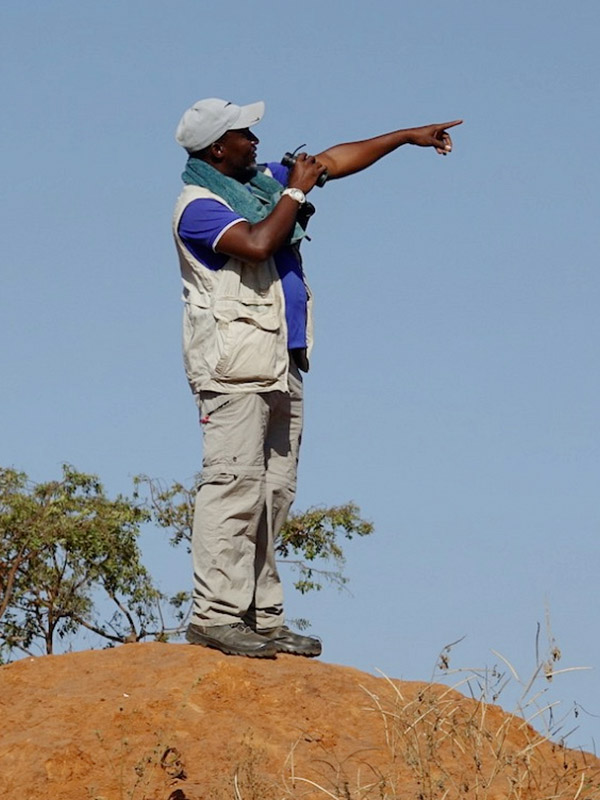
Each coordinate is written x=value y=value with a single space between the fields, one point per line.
x=216 y=150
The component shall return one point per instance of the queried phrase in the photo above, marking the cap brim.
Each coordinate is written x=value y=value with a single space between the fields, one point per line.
x=249 y=116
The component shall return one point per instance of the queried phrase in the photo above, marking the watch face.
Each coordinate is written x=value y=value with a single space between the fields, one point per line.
x=296 y=194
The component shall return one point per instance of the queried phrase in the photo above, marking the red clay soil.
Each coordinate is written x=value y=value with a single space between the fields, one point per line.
x=176 y=722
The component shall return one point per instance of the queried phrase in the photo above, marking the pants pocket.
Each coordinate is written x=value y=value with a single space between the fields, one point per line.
x=214 y=478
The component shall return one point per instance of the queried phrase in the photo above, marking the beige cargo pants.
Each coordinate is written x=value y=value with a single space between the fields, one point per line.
x=251 y=444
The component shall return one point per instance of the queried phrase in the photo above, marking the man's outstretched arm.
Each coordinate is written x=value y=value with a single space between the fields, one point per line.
x=345 y=159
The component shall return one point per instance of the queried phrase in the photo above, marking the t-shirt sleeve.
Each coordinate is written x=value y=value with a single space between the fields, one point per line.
x=203 y=223
x=279 y=172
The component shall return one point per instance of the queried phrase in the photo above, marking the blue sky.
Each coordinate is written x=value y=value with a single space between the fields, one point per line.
x=454 y=388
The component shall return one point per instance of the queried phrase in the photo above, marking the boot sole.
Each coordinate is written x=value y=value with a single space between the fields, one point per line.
x=228 y=650
x=294 y=651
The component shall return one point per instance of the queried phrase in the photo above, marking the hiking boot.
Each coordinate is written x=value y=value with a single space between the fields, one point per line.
x=286 y=641
x=233 y=640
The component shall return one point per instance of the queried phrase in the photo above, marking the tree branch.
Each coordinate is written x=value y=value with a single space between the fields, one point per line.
x=10 y=581
x=95 y=629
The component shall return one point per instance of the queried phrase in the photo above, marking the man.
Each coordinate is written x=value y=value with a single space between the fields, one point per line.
x=247 y=339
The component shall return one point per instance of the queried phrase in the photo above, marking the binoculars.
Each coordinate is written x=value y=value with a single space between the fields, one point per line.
x=289 y=159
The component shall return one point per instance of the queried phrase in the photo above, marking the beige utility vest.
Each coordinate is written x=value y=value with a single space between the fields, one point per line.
x=234 y=329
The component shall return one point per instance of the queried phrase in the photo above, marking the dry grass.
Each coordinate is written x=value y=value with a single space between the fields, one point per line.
x=442 y=745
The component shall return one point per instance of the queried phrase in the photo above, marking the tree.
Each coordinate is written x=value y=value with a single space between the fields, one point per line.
x=61 y=542
x=67 y=549
x=309 y=540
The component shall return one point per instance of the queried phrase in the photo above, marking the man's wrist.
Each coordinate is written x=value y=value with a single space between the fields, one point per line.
x=414 y=136
x=296 y=194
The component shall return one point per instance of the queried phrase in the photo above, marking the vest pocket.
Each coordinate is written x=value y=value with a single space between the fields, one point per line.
x=246 y=338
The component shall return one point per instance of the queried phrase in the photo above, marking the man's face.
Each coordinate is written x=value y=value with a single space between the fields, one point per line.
x=238 y=153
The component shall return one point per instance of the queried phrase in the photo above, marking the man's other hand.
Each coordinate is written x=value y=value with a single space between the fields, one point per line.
x=305 y=172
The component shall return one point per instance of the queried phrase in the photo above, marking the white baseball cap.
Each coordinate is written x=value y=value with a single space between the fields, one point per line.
x=207 y=120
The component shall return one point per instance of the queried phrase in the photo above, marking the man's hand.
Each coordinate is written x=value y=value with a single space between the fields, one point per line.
x=305 y=172
x=434 y=136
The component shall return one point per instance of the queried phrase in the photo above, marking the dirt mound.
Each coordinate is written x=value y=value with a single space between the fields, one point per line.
x=175 y=722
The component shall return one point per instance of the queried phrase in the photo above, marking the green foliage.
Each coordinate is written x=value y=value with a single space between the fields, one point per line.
x=314 y=536
x=61 y=541
x=309 y=541
x=171 y=507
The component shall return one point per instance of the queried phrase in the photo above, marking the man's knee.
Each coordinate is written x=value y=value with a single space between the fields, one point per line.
x=227 y=494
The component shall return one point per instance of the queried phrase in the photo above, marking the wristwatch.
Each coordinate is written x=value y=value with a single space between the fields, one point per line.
x=296 y=194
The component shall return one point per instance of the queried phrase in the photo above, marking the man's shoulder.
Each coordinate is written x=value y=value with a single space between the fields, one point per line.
x=191 y=194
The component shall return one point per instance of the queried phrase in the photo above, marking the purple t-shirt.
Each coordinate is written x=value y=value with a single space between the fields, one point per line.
x=203 y=223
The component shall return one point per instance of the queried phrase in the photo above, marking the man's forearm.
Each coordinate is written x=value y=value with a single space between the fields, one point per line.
x=345 y=159
x=260 y=241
